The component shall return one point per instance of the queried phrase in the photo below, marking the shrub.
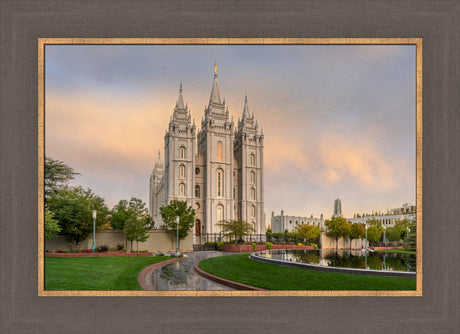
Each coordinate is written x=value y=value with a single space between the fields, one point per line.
x=120 y=247
x=88 y=251
x=254 y=246
x=75 y=250
x=269 y=245
x=103 y=248
x=300 y=244
x=314 y=245
x=219 y=245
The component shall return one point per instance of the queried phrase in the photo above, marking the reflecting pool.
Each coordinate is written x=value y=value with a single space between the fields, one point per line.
x=353 y=259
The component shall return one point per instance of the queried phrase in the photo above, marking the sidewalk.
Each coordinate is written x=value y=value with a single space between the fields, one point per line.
x=182 y=275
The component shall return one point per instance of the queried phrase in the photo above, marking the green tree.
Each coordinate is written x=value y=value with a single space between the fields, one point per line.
x=374 y=233
x=357 y=231
x=338 y=227
x=119 y=215
x=52 y=228
x=393 y=234
x=186 y=218
x=57 y=174
x=236 y=228
x=72 y=208
x=135 y=229
x=123 y=211
x=309 y=232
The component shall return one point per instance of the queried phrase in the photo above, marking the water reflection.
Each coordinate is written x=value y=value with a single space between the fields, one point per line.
x=182 y=275
x=347 y=259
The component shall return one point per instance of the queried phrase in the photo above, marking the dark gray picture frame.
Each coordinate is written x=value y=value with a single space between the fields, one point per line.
x=23 y=22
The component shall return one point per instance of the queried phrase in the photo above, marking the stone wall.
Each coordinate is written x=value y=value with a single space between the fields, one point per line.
x=159 y=240
x=329 y=243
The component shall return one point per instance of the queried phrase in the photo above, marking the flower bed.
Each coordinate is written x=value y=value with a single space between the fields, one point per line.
x=99 y=254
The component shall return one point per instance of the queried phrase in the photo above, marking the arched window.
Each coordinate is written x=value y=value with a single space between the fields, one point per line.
x=252 y=160
x=252 y=194
x=219 y=213
x=182 y=152
x=197 y=206
x=253 y=211
x=220 y=182
x=182 y=171
x=220 y=153
x=252 y=177
x=197 y=191
x=197 y=227
x=181 y=189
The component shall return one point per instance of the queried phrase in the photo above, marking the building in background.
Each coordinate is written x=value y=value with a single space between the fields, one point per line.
x=282 y=223
x=337 y=208
x=217 y=170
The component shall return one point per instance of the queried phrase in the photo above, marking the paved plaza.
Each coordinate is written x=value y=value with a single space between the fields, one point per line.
x=182 y=276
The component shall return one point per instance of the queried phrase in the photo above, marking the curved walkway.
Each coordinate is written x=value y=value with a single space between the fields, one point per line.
x=181 y=275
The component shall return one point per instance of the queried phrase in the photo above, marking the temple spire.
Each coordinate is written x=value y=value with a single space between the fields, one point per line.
x=215 y=96
x=159 y=158
x=246 y=108
x=180 y=101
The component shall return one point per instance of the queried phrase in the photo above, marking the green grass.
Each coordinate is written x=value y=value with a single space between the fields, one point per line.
x=395 y=251
x=96 y=273
x=241 y=269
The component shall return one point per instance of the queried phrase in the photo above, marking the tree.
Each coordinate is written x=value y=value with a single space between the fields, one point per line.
x=122 y=211
x=236 y=228
x=72 y=208
x=374 y=233
x=338 y=227
x=52 y=228
x=375 y=230
x=57 y=174
x=357 y=231
x=119 y=215
x=186 y=217
x=308 y=232
x=136 y=229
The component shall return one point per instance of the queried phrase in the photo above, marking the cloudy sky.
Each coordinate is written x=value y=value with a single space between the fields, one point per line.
x=338 y=120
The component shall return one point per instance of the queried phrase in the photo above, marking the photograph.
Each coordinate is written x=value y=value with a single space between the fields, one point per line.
x=281 y=168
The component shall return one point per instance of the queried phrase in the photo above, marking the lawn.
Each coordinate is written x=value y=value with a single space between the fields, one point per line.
x=96 y=273
x=241 y=269
x=395 y=251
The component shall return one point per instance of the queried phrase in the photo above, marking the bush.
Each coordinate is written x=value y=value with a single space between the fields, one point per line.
x=74 y=250
x=120 y=247
x=314 y=245
x=219 y=245
x=269 y=245
x=103 y=248
x=300 y=244
x=254 y=246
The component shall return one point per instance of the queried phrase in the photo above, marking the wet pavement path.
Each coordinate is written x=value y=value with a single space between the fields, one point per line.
x=182 y=276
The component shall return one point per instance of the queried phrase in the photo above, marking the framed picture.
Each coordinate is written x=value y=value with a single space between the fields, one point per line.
x=337 y=116
x=25 y=306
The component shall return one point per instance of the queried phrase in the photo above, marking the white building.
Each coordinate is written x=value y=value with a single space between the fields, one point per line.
x=217 y=170
x=282 y=223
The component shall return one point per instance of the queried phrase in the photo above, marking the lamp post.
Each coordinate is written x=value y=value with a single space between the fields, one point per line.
x=177 y=242
x=93 y=247
x=366 y=238
x=384 y=230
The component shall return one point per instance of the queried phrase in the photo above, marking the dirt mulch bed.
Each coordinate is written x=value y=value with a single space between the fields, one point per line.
x=98 y=254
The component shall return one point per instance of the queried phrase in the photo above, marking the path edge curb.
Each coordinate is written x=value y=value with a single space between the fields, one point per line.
x=143 y=273
x=232 y=284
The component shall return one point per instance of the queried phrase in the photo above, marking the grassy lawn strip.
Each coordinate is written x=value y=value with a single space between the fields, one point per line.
x=394 y=251
x=96 y=273
x=241 y=269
